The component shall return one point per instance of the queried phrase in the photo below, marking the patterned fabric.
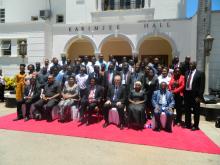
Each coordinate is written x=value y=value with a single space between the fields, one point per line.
x=20 y=84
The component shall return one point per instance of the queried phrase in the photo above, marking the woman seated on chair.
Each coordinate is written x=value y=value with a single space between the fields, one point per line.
x=69 y=98
x=136 y=108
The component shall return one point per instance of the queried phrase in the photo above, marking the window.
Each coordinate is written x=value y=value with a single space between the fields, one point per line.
x=19 y=45
x=2 y=15
x=34 y=18
x=59 y=19
x=122 y=4
x=6 y=47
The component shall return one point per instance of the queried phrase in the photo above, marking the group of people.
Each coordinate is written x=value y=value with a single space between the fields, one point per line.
x=138 y=90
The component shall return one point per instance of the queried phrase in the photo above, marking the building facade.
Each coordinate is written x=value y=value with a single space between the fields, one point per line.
x=132 y=28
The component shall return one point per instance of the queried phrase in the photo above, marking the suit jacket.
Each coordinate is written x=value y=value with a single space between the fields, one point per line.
x=98 y=77
x=36 y=92
x=169 y=98
x=134 y=78
x=198 y=83
x=121 y=94
x=105 y=78
x=179 y=89
x=98 y=93
x=128 y=77
x=150 y=88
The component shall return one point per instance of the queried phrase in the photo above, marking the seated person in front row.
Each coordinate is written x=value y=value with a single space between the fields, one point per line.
x=70 y=97
x=31 y=95
x=50 y=97
x=91 y=99
x=136 y=109
x=115 y=99
x=163 y=101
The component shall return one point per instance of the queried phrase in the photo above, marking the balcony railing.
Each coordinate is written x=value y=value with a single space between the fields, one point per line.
x=122 y=4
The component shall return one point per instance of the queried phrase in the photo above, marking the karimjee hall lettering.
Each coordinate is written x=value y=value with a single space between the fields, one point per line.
x=94 y=28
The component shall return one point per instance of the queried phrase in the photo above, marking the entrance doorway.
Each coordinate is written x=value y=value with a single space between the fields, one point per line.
x=80 y=48
x=118 y=47
x=156 y=47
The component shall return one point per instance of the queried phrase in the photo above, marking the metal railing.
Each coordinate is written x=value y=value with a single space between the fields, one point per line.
x=122 y=4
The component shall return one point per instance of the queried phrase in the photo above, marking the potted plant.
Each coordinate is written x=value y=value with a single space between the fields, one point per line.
x=10 y=92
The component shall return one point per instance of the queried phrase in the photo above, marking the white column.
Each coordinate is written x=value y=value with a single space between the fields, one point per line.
x=0 y=49
x=99 y=3
x=116 y=4
x=147 y=4
x=14 y=50
x=206 y=75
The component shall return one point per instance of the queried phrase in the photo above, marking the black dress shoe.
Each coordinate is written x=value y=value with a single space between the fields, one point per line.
x=195 y=128
x=121 y=126
x=18 y=118
x=80 y=119
x=37 y=116
x=156 y=129
x=187 y=127
x=26 y=118
x=168 y=130
x=105 y=125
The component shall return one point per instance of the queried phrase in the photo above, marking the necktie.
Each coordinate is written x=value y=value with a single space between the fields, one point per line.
x=189 y=80
x=115 y=94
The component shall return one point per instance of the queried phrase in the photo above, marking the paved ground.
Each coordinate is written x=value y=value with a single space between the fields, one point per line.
x=23 y=148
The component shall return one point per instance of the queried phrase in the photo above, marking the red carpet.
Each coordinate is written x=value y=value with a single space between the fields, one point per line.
x=181 y=139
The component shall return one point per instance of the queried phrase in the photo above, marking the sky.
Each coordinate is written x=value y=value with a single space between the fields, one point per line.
x=192 y=6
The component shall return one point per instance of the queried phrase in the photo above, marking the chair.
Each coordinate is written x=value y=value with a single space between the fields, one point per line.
x=163 y=119
x=113 y=116
x=96 y=111
x=74 y=113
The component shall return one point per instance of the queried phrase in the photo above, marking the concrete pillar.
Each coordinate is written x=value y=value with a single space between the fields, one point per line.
x=0 y=49
x=116 y=4
x=14 y=48
x=147 y=3
x=203 y=28
x=99 y=5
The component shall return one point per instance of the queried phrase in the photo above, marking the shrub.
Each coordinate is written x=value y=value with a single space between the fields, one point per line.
x=9 y=83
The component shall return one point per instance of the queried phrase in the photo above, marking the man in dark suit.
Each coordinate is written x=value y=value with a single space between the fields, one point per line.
x=126 y=78
x=136 y=76
x=184 y=66
x=193 y=94
x=108 y=78
x=31 y=95
x=115 y=98
x=96 y=74
x=92 y=99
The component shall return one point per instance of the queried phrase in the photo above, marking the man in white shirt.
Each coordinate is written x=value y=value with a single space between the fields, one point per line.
x=81 y=80
x=101 y=61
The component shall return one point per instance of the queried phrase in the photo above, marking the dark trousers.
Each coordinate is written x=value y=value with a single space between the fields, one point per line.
x=39 y=107
x=84 y=104
x=28 y=107
x=120 y=110
x=169 y=115
x=178 y=106
x=2 y=90
x=190 y=102
x=82 y=92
